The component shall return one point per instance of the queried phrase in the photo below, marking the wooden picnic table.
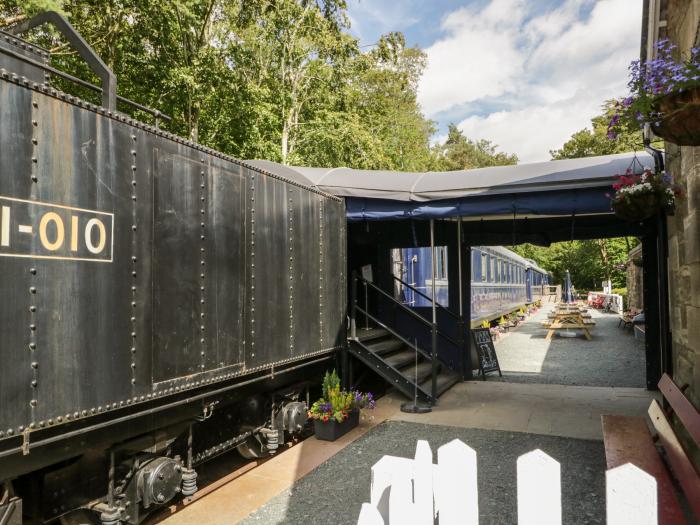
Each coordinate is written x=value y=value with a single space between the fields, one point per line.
x=554 y=314
x=568 y=321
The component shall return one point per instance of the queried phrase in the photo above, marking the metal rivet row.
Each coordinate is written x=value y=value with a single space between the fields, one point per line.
x=290 y=212
x=320 y=272
x=202 y=275
x=32 y=341
x=134 y=261
x=252 y=265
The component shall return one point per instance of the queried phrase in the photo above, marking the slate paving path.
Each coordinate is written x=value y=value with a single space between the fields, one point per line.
x=613 y=358
x=333 y=493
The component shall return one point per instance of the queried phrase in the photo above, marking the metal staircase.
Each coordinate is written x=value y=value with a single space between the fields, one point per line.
x=404 y=365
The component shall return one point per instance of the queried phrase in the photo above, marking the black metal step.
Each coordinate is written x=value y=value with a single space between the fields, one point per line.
x=373 y=333
x=392 y=376
x=385 y=346
x=400 y=359
x=445 y=379
x=425 y=369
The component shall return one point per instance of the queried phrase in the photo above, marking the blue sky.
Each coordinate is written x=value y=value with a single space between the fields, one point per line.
x=525 y=74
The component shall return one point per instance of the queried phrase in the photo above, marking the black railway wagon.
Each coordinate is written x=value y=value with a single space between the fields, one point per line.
x=160 y=303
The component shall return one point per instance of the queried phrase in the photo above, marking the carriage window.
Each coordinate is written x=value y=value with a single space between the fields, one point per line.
x=414 y=266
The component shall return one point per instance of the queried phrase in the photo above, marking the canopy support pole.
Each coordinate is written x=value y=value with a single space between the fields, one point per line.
x=433 y=390
x=461 y=337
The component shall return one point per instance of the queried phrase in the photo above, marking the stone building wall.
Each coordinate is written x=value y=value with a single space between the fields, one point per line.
x=683 y=163
x=635 y=286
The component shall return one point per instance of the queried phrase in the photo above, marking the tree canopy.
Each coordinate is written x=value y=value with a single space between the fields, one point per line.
x=282 y=80
x=589 y=262
x=595 y=141
x=460 y=153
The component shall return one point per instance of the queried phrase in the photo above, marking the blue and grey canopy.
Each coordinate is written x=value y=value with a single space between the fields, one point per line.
x=559 y=187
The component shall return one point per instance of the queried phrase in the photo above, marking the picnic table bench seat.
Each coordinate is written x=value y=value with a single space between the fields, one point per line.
x=628 y=439
x=626 y=319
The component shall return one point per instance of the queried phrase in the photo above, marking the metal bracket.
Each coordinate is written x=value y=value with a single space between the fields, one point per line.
x=109 y=80
x=25 y=442
x=207 y=411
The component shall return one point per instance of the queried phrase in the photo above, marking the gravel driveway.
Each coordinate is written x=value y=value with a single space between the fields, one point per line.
x=613 y=358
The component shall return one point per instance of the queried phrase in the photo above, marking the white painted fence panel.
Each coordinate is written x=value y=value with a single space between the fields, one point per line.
x=369 y=515
x=539 y=489
x=423 y=511
x=456 y=492
x=415 y=491
x=631 y=496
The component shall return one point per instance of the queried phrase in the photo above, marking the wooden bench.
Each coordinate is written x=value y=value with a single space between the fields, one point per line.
x=626 y=319
x=629 y=440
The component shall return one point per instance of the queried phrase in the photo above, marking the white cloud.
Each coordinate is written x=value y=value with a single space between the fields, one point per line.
x=549 y=73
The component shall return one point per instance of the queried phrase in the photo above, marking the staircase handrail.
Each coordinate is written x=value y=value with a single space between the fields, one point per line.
x=394 y=333
x=354 y=307
x=425 y=296
x=415 y=314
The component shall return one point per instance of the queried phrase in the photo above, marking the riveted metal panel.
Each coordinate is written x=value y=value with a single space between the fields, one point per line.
x=226 y=269
x=306 y=269
x=179 y=221
x=16 y=132
x=80 y=308
x=268 y=246
x=333 y=296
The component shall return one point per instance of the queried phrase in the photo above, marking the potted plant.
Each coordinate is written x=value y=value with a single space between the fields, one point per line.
x=665 y=94
x=638 y=197
x=338 y=411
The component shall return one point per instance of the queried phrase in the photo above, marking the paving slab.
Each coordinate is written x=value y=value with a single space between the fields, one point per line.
x=558 y=410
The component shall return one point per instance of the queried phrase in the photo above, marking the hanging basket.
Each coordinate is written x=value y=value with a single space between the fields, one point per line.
x=637 y=208
x=680 y=123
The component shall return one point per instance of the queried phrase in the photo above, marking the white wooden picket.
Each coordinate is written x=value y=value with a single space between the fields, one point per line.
x=417 y=492
x=631 y=496
x=539 y=489
x=455 y=484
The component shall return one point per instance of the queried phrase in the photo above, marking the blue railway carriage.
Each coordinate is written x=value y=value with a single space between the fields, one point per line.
x=501 y=281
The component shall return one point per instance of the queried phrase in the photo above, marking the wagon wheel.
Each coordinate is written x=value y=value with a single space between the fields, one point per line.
x=252 y=448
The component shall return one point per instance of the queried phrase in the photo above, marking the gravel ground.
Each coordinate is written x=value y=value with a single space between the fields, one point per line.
x=612 y=358
x=333 y=493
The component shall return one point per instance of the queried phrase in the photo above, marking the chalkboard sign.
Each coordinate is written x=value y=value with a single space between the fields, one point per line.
x=488 y=362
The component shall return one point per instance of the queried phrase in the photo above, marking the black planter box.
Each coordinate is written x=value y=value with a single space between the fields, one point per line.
x=332 y=430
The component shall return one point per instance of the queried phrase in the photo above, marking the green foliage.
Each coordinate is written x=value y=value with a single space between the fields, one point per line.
x=590 y=262
x=277 y=79
x=459 y=153
x=623 y=293
x=331 y=381
x=336 y=404
x=594 y=141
